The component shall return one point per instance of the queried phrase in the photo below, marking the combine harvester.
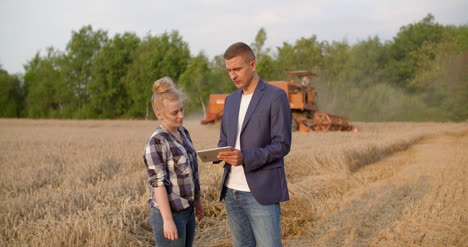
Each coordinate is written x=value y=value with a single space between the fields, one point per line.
x=302 y=97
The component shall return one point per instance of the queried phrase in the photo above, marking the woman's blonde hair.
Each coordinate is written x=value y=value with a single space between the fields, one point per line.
x=165 y=88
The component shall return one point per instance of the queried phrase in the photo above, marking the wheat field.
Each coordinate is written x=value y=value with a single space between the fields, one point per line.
x=83 y=183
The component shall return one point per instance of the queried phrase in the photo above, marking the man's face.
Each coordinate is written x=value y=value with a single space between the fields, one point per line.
x=240 y=71
x=172 y=114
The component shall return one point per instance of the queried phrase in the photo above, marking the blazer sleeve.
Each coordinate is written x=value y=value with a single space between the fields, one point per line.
x=222 y=133
x=280 y=136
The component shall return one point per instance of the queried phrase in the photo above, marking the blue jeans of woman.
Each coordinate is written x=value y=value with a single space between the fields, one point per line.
x=185 y=223
x=251 y=223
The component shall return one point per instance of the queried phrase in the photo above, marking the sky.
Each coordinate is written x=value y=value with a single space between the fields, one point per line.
x=30 y=26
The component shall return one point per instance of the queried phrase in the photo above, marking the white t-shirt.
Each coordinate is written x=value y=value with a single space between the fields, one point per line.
x=236 y=179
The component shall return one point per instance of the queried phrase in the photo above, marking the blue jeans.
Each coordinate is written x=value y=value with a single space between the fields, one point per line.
x=185 y=223
x=250 y=222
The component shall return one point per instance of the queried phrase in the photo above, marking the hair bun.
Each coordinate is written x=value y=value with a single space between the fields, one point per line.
x=163 y=85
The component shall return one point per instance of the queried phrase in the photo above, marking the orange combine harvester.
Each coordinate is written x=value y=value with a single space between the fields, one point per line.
x=301 y=95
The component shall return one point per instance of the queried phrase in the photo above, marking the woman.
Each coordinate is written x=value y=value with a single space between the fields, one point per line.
x=172 y=166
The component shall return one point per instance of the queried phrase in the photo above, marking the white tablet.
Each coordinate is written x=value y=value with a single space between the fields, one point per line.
x=208 y=155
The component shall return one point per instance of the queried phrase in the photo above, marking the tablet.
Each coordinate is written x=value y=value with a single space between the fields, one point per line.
x=208 y=155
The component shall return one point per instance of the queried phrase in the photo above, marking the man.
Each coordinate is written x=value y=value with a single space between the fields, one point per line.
x=257 y=123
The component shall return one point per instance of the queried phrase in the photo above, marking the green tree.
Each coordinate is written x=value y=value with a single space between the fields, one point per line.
x=266 y=65
x=306 y=54
x=442 y=74
x=77 y=68
x=196 y=82
x=11 y=95
x=420 y=75
x=157 y=56
x=108 y=95
x=258 y=44
x=366 y=63
x=219 y=76
x=401 y=67
x=334 y=89
x=47 y=95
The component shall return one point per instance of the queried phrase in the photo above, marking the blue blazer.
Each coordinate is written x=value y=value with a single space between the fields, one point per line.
x=265 y=139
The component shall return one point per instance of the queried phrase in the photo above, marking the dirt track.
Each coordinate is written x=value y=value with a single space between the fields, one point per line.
x=421 y=200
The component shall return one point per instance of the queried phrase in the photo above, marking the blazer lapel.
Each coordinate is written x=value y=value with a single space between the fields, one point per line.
x=258 y=93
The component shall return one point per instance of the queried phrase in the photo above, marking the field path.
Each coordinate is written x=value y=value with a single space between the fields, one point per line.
x=423 y=202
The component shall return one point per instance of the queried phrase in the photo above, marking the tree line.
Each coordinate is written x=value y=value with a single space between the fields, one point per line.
x=420 y=75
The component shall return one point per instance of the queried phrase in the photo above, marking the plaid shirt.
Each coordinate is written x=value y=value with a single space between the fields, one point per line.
x=174 y=165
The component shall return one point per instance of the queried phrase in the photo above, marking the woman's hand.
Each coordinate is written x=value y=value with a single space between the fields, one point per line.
x=170 y=230
x=199 y=210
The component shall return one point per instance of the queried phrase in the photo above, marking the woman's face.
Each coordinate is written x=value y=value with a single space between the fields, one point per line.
x=172 y=114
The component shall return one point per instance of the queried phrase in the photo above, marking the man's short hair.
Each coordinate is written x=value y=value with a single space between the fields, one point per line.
x=239 y=49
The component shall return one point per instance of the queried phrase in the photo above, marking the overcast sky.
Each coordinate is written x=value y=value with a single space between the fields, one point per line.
x=29 y=26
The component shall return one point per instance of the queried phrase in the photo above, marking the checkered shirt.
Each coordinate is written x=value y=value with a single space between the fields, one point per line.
x=174 y=165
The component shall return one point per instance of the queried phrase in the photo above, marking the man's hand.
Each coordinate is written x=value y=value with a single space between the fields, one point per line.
x=233 y=157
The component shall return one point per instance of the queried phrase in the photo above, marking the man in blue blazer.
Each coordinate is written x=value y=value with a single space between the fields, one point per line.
x=257 y=123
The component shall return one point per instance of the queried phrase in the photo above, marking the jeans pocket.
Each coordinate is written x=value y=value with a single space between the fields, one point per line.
x=154 y=211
